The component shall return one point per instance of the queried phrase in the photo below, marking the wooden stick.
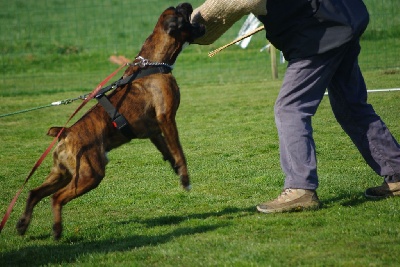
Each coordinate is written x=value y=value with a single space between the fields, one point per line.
x=274 y=65
x=212 y=53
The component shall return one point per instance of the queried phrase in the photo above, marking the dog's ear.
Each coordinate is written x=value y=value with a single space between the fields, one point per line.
x=185 y=9
x=180 y=19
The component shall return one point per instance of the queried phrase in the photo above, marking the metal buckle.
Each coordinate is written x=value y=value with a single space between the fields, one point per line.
x=143 y=62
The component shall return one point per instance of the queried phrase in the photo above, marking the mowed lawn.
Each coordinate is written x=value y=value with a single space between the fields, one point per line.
x=139 y=215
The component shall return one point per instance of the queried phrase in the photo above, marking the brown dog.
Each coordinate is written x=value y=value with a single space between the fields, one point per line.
x=149 y=105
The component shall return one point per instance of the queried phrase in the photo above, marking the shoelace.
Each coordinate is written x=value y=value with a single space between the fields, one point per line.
x=285 y=193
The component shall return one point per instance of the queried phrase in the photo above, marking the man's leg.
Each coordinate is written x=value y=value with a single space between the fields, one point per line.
x=303 y=88
x=348 y=97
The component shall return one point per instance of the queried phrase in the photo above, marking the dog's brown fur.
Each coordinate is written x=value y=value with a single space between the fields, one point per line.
x=149 y=104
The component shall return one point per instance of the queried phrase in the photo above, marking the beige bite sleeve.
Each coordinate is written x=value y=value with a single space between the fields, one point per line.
x=219 y=15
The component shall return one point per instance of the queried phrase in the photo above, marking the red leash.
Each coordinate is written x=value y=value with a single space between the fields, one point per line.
x=43 y=156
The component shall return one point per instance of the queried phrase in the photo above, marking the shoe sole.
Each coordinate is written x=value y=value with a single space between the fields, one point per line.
x=393 y=194
x=290 y=209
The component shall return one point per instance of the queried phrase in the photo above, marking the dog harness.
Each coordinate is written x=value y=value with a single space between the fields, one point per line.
x=118 y=120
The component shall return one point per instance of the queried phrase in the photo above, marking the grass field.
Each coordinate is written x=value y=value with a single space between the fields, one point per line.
x=139 y=215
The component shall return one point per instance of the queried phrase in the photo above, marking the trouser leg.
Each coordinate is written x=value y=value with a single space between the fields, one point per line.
x=303 y=88
x=348 y=97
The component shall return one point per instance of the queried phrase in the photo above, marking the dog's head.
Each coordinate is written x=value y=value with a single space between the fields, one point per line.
x=176 y=23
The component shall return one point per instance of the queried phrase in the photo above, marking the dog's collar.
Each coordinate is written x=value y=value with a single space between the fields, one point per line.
x=143 y=62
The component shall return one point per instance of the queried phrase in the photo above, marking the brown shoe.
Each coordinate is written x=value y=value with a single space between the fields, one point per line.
x=291 y=200
x=383 y=191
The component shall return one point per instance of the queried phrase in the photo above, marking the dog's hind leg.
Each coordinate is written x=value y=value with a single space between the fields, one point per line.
x=54 y=181
x=86 y=180
x=170 y=132
x=160 y=144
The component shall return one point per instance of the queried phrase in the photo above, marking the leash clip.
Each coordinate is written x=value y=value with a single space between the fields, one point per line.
x=143 y=62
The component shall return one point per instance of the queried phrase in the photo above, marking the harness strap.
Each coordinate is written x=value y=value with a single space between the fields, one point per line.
x=139 y=74
x=118 y=119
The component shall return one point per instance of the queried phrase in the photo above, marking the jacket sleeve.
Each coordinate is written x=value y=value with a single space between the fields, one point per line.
x=219 y=15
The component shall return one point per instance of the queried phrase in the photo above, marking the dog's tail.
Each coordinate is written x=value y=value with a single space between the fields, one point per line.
x=53 y=131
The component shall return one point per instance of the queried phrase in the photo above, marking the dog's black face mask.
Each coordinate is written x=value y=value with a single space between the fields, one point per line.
x=179 y=23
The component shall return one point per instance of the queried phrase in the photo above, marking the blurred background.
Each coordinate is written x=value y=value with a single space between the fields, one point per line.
x=56 y=45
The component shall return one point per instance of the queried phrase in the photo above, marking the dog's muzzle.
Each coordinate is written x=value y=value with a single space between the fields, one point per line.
x=198 y=30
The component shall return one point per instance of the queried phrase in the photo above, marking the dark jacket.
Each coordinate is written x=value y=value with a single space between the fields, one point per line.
x=302 y=28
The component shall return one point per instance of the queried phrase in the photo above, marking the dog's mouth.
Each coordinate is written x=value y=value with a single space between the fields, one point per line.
x=198 y=30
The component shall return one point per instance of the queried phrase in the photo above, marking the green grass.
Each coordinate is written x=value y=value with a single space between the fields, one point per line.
x=139 y=215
